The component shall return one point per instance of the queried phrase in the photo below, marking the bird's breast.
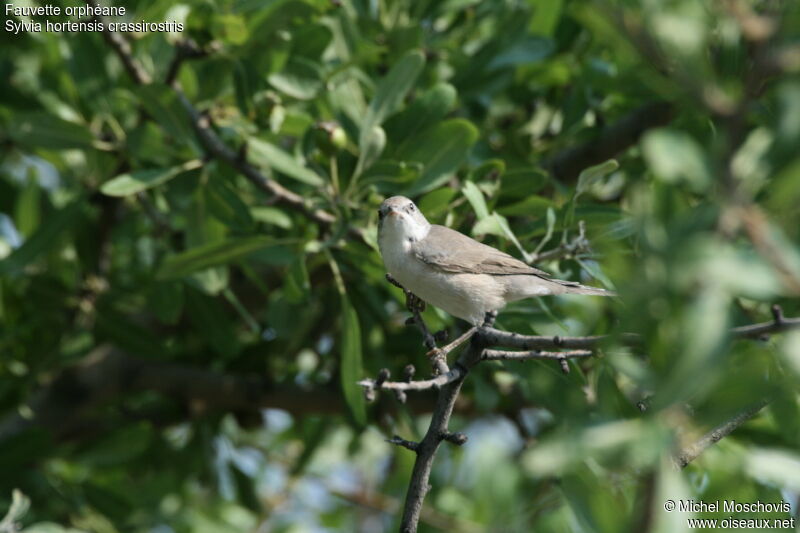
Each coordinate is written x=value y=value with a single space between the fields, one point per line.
x=467 y=296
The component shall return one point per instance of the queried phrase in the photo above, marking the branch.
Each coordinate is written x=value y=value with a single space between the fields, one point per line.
x=123 y=49
x=691 y=452
x=216 y=148
x=448 y=386
x=184 y=49
x=436 y=383
x=437 y=431
x=62 y=406
x=561 y=357
x=572 y=248
x=779 y=323
x=533 y=346
x=568 y=164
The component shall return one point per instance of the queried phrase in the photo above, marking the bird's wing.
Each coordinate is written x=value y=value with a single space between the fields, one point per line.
x=450 y=251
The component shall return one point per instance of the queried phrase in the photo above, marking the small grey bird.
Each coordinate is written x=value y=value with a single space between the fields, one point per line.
x=454 y=272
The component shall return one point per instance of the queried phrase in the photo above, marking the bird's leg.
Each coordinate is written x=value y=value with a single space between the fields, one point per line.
x=415 y=306
x=489 y=318
x=394 y=282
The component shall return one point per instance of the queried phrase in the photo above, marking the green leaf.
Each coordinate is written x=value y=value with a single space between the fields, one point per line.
x=27 y=211
x=777 y=467
x=351 y=366
x=141 y=180
x=551 y=224
x=546 y=16
x=390 y=93
x=163 y=106
x=271 y=215
x=20 y=504
x=496 y=224
x=522 y=182
x=265 y=154
x=525 y=51
x=675 y=157
x=371 y=150
x=441 y=149
x=213 y=254
x=226 y=205
x=491 y=170
x=590 y=175
x=118 y=329
x=297 y=284
x=394 y=172
x=43 y=240
x=230 y=28
x=299 y=79
x=476 y=199
x=212 y=323
x=436 y=202
x=43 y=130
x=532 y=206
x=165 y=299
x=119 y=447
x=424 y=112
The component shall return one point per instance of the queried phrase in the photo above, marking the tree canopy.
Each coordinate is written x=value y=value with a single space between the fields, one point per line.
x=195 y=326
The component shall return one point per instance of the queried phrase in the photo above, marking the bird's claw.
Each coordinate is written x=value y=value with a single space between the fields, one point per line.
x=429 y=341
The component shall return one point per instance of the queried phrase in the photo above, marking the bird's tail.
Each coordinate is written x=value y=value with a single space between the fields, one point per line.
x=572 y=287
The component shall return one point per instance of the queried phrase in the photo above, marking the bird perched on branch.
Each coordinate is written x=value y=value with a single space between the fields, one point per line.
x=454 y=272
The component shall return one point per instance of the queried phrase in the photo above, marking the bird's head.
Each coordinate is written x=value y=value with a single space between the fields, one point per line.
x=400 y=220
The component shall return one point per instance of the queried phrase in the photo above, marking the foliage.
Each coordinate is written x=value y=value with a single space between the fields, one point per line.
x=205 y=336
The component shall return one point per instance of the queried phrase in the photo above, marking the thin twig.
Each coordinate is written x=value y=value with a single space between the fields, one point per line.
x=568 y=164
x=398 y=441
x=216 y=148
x=577 y=245
x=420 y=385
x=691 y=452
x=505 y=355
x=449 y=385
x=123 y=49
x=184 y=49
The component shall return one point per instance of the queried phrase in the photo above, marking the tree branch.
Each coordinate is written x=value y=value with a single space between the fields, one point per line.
x=568 y=164
x=123 y=49
x=216 y=148
x=505 y=355
x=184 y=49
x=448 y=386
x=63 y=404
x=437 y=431
x=691 y=452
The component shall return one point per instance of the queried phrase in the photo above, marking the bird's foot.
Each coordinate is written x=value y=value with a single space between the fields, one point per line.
x=489 y=318
x=414 y=303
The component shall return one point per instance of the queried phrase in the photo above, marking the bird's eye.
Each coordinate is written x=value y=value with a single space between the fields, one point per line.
x=411 y=207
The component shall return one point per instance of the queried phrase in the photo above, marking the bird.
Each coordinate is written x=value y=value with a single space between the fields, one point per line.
x=447 y=269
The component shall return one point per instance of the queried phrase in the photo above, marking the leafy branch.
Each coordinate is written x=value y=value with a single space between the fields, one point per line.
x=214 y=146
x=484 y=340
